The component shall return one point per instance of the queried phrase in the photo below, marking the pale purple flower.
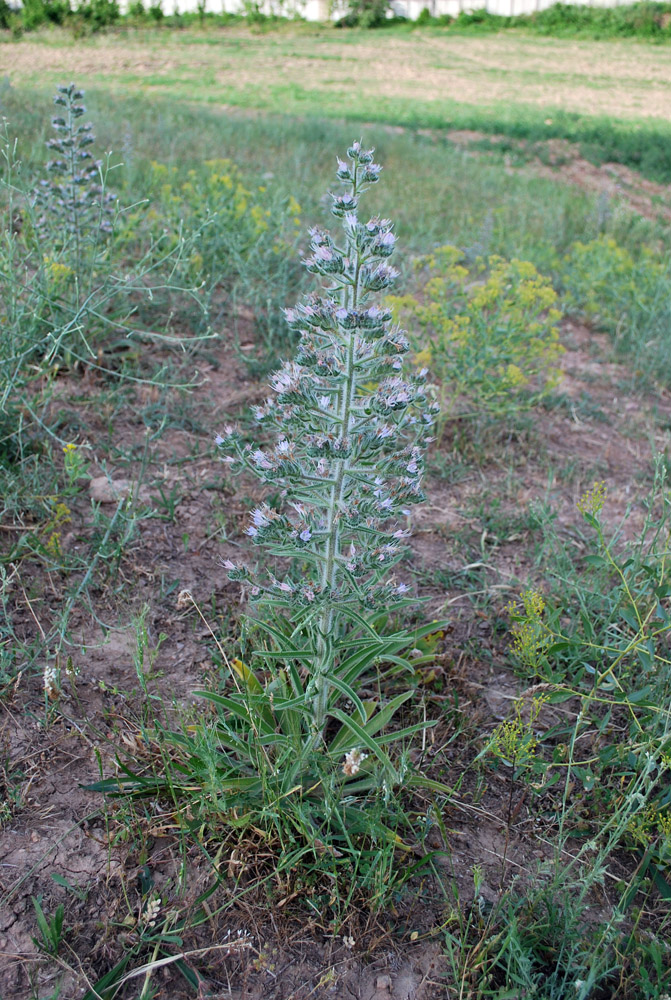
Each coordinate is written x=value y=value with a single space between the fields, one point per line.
x=287 y=379
x=261 y=460
x=260 y=518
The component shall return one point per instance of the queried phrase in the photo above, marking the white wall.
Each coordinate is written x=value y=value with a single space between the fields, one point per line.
x=320 y=10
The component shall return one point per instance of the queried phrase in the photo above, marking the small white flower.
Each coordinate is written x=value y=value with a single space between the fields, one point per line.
x=51 y=681
x=261 y=460
x=353 y=761
x=152 y=912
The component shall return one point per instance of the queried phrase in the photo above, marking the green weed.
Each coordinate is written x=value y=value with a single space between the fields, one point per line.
x=489 y=333
x=625 y=294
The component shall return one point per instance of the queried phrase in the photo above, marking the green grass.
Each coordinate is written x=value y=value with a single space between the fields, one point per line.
x=525 y=87
x=440 y=193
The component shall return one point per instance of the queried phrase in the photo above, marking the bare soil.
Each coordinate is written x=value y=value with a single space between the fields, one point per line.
x=561 y=160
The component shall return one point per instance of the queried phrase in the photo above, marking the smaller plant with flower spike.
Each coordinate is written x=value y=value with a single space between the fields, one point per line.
x=76 y=199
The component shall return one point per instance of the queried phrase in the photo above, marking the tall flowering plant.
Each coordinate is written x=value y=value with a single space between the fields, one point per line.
x=300 y=748
x=348 y=428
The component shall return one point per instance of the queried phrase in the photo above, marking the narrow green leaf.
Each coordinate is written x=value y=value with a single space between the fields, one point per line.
x=350 y=693
x=364 y=739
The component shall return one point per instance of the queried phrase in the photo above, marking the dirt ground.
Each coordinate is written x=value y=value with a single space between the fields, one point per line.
x=250 y=949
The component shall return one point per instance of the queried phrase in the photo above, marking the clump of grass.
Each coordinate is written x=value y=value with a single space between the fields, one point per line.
x=595 y=644
x=243 y=239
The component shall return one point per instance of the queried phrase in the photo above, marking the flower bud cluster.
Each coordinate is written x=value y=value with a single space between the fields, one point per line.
x=75 y=199
x=348 y=427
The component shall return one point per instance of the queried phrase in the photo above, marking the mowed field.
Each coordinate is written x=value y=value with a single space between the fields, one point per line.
x=322 y=71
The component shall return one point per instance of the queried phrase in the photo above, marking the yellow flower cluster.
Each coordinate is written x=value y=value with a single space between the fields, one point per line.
x=605 y=280
x=488 y=332
x=593 y=499
x=57 y=272
x=653 y=826
x=229 y=210
x=529 y=633
x=51 y=532
x=514 y=741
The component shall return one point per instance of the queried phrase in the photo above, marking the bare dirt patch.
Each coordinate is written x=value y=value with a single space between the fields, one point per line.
x=559 y=159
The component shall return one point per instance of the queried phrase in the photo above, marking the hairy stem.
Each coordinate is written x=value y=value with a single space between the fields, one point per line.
x=327 y=622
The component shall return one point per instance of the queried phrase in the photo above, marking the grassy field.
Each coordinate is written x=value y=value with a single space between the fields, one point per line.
x=417 y=78
x=612 y=97
x=171 y=823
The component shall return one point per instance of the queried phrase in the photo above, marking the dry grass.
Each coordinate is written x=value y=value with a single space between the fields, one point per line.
x=623 y=79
